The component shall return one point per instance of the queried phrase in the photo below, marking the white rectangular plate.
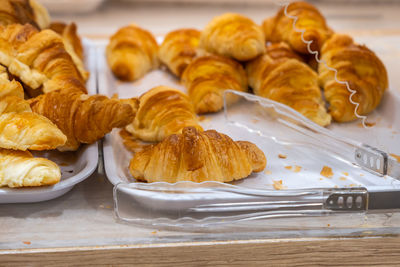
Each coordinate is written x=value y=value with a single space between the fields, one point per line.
x=384 y=135
x=75 y=166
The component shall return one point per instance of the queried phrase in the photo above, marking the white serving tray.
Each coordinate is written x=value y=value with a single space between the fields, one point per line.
x=383 y=135
x=75 y=166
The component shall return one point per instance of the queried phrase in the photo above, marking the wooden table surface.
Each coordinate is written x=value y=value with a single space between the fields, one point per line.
x=79 y=228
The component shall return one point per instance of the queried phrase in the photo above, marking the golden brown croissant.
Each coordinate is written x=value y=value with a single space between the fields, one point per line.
x=197 y=156
x=24 y=11
x=82 y=118
x=38 y=59
x=72 y=44
x=207 y=77
x=291 y=82
x=21 y=169
x=233 y=35
x=361 y=68
x=162 y=111
x=280 y=27
x=131 y=53
x=178 y=49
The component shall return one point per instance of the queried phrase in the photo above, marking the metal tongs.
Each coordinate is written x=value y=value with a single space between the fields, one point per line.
x=188 y=199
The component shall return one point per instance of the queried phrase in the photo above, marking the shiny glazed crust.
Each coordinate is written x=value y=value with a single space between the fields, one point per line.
x=197 y=156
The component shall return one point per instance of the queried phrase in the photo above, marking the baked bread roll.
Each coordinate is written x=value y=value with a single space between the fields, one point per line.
x=72 y=44
x=361 y=68
x=280 y=27
x=38 y=59
x=21 y=169
x=82 y=118
x=233 y=35
x=197 y=156
x=162 y=111
x=178 y=49
x=207 y=77
x=24 y=11
x=131 y=53
x=291 y=82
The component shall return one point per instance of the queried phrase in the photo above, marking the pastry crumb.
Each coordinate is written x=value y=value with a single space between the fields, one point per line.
x=27 y=242
x=328 y=225
x=288 y=167
x=336 y=186
x=397 y=157
x=352 y=185
x=154 y=232
x=297 y=168
x=320 y=178
x=278 y=185
x=255 y=121
x=345 y=173
x=268 y=172
x=281 y=156
x=326 y=172
x=361 y=174
x=343 y=178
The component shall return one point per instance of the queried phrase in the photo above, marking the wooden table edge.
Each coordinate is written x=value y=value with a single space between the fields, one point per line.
x=333 y=250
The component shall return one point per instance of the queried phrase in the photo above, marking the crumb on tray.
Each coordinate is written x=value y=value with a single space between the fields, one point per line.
x=268 y=172
x=343 y=178
x=204 y=118
x=255 y=121
x=27 y=242
x=294 y=168
x=327 y=172
x=345 y=173
x=278 y=185
x=397 y=157
x=368 y=124
x=281 y=156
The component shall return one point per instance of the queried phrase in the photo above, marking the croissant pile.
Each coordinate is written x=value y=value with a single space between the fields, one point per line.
x=272 y=60
x=43 y=61
x=44 y=103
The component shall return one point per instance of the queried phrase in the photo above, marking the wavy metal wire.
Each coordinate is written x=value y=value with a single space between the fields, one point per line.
x=352 y=92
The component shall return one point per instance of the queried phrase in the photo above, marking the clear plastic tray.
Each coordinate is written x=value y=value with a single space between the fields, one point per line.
x=75 y=166
x=277 y=130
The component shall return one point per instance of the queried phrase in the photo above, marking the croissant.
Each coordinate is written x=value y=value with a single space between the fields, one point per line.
x=197 y=156
x=24 y=11
x=207 y=77
x=131 y=53
x=280 y=27
x=82 y=118
x=162 y=111
x=233 y=35
x=291 y=82
x=178 y=49
x=38 y=59
x=21 y=169
x=72 y=44
x=361 y=68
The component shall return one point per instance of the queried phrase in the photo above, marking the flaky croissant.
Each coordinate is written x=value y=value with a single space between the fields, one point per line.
x=280 y=27
x=38 y=59
x=131 y=53
x=207 y=77
x=162 y=111
x=361 y=68
x=233 y=35
x=72 y=44
x=291 y=82
x=20 y=129
x=21 y=169
x=82 y=118
x=178 y=49
x=24 y=11
x=197 y=156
